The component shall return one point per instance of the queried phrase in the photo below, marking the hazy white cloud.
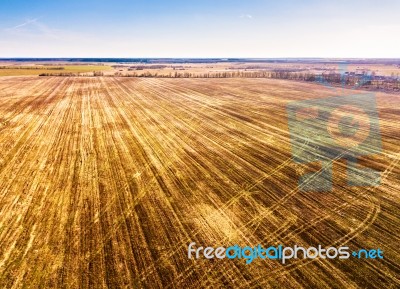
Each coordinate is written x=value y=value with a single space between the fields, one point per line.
x=32 y=28
x=247 y=16
x=23 y=24
x=34 y=38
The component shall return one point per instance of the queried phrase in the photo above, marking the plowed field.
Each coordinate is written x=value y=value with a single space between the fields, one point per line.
x=105 y=181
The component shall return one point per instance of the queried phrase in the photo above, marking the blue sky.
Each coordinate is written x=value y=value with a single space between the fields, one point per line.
x=219 y=28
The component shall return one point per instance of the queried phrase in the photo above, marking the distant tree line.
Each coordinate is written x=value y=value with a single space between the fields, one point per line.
x=60 y=74
x=32 y=67
x=352 y=79
x=362 y=80
x=72 y=74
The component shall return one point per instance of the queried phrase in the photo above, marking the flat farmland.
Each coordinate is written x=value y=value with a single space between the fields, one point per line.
x=15 y=70
x=105 y=181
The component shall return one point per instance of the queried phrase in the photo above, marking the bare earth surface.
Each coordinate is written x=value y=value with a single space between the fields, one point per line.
x=105 y=182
